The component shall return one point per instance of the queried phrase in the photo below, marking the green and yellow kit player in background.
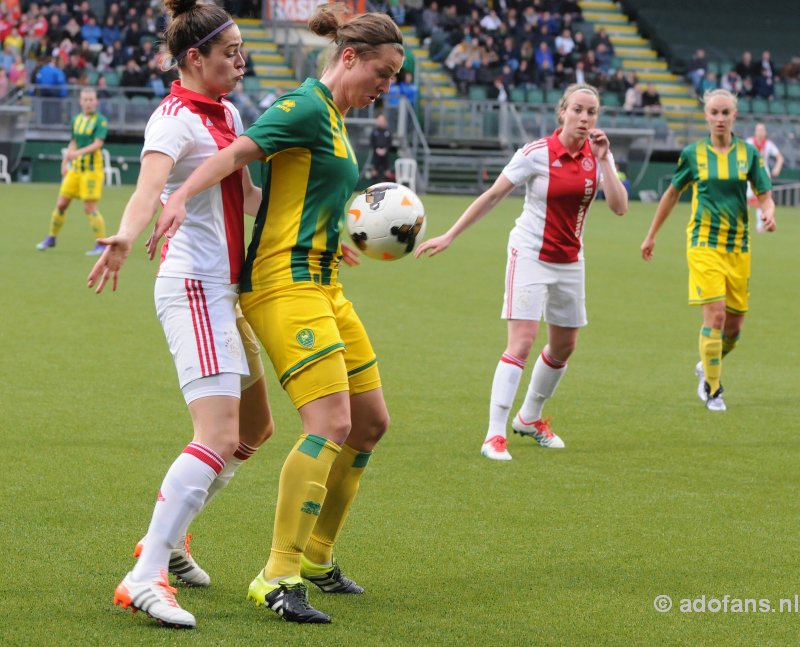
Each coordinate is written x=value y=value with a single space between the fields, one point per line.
x=82 y=170
x=719 y=169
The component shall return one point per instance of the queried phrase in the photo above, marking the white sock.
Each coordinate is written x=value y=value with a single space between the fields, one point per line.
x=504 y=387
x=183 y=491
x=547 y=373
x=242 y=453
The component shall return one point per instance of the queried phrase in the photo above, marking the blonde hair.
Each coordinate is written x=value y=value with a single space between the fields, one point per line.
x=720 y=92
x=573 y=89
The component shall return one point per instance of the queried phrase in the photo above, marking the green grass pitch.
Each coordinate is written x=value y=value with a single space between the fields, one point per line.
x=652 y=496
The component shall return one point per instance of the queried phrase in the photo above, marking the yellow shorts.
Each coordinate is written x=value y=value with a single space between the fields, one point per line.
x=719 y=276
x=314 y=339
x=83 y=185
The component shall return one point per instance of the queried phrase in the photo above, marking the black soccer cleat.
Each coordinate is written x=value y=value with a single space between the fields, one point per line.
x=330 y=581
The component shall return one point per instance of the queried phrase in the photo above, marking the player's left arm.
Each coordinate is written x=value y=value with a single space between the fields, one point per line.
x=614 y=190
x=73 y=153
x=252 y=193
x=776 y=169
x=767 y=206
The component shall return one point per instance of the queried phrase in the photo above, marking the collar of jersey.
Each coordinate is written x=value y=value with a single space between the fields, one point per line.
x=316 y=83
x=188 y=95
x=558 y=148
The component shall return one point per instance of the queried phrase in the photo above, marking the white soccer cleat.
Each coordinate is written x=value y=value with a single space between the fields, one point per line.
x=496 y=449
x=715 y=402
x=156 y=598
x=182 y=564
x=539 y=430
x=701 y=381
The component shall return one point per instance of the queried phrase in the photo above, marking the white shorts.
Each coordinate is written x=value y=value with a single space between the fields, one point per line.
x=199 y=321
x=536 y=289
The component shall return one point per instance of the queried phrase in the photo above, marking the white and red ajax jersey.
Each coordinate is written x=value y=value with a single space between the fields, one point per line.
x=559 y=189
x=768 y=150
x=189 y=128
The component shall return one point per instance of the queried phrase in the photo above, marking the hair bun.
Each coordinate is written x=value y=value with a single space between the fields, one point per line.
x=177 y=7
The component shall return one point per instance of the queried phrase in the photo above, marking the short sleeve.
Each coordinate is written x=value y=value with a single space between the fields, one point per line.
x=757 y=172
x=169 y=135
x=683 y=175
x=290 y=122
x=520 y=169
x=101 y=129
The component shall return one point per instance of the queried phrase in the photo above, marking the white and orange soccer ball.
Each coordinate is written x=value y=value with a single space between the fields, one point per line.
x=386 y=220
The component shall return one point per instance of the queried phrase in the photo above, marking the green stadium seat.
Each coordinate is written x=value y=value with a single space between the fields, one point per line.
x=610 y=100
x=777 y=107
x=793 y=90
x=112 y=77
x=793 y=107
x=759 y=105
x=251 y=84
x=553 y=97
x=518 y=95
x=535 y=95
x=478 y=92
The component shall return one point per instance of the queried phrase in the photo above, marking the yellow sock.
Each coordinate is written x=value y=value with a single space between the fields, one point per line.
x=711 y=355
x=57 y=219
x=301 y=493
x=728 y=344
x=342 y=486
x=97 y=224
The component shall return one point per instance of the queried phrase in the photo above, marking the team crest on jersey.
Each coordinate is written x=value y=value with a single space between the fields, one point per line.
x=229 y=119
x=743 y=166
x=286 y=105
x=587 y=164
x=305 y=338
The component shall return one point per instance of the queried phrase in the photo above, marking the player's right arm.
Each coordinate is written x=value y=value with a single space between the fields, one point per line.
x=212 y=171
x=665 y=207
x=482 y=205
x=138 y=213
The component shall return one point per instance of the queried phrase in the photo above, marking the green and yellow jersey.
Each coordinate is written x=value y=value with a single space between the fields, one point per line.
x=308 y=173
x=85 y=130
x=719 y=180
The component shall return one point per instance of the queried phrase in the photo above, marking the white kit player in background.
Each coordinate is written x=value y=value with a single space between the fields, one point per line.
x=773 y=163
x=545 y=270
x=216 y=353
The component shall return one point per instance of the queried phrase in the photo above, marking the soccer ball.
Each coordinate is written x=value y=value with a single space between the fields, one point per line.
x=386 y=220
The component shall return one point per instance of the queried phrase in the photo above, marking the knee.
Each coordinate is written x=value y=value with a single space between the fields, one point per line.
x=564 y=350
x=226 y=446
x=337 y=429
x=520 y=346
x=367 y=433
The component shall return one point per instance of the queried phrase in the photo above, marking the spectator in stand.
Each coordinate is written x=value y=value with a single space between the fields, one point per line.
x=154 y=80
x=748 y=90
x=144 y=53
x=398 y=12
x=7 y=57
x=381 y=141
x=616 y=85
x=249 y=63
x=544 y=56
x=633 y=100
x=73 y=31
x=509 y=54
x=75 y=65
x=732 y=82
x=604 y=59
x=581 y=46
x=429 y=23
x=498 y=91
x=601 y=36
x=766 y=67
x=791 y=71
x=5 y=84
x=551 y=23
x=491 y=21
x=14 y=42
x=407 y=88
x=131 y=38
x=525 y=76
x=120 y=58
x=133 y=77
x=565 y=45
x=92 y=33
x=763 y=85
x=270 y=97
x=115 y=14
x=745 y=68
x=51 y=79
x=709 y=82
x=18 y=74
x=579 y=73
x=105 y=61
x=696 y=71
x=110 y=32
x=561 y=76
x=651 y=100
x=149 y=23
x=590 y=69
